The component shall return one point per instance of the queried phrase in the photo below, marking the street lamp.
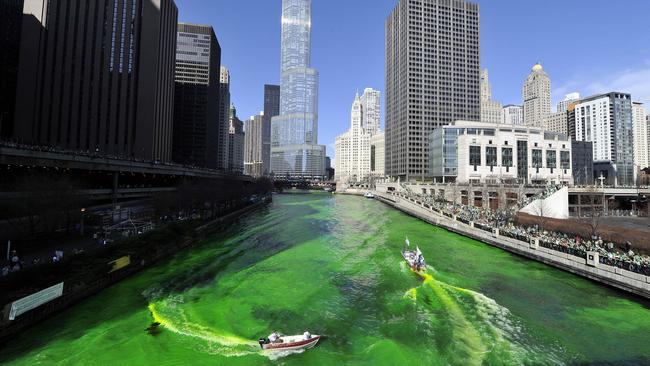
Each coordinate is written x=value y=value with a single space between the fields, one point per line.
x=81 y=229
x=602 y=185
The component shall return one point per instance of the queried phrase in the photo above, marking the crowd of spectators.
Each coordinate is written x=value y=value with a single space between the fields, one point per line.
x=610 y=253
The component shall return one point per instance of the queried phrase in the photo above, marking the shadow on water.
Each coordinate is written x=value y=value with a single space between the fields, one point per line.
x=228 y=250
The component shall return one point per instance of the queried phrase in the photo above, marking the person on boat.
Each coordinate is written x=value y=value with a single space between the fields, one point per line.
x=274 y=337
x=307 y=335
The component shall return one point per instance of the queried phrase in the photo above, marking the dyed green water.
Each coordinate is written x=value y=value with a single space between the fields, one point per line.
x=331 y=264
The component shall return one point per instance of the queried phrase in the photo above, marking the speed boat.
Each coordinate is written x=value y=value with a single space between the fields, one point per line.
x=414 y=258
x=369 y=195
x=277 y=342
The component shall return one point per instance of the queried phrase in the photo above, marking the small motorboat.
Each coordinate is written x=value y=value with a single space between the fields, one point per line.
x=277 y=342
x=369 y=195
x=414 y=258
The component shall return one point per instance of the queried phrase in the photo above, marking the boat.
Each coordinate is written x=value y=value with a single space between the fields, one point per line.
x=414 y=258
x=277 y=342
x=369 y=195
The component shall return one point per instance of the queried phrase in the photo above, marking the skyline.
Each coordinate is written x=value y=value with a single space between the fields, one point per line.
x=252 y=52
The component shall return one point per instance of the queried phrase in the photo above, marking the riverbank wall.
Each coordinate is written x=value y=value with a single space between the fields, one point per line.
x=586 y=267
x=121 y=269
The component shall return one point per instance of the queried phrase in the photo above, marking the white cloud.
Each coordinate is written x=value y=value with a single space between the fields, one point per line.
x=633 y=81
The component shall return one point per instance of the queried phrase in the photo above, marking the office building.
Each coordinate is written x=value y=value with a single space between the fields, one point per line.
x=353 y=148
x=563 y=105
x=98 y=78
x=378 y=155
x=432 y=77
x=478 y=153
x=235 y=143
x=557 y=122
x=491 y=111
x=582 y=162
x=640 y=133
x=11 y=13
x=571 y=120
x=295 y=152
x=271 y=109
x=224 y=119
x=196 y=104
x=253 y=142
x=513 y=115
x=606 y=120
x=537 y=97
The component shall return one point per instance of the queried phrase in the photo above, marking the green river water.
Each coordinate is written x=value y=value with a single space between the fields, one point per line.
x=332 y=264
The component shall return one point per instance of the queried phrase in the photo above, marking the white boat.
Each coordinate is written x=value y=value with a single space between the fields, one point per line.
x=414 y=258
x=289 y=343
x=369 y=195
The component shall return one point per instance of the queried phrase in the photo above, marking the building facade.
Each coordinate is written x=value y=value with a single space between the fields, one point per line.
x=432 y=77
x=11 y=13
x=557 y=122
x=253 y=142
x=513 y=115
x=491 y=111
x=236 y=139
x=295 y=152
x=582 y=162
x=224 y=119
x=640 y=133
x=537 y=97
x=563 y=105
x=467 y=152
x=98 y=76
x=271 y=109
x=606 y=120
x=353 y=148
x=377 y=155
x=196 y=104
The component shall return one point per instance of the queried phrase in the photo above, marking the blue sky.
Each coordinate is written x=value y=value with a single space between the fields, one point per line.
x=589 y=46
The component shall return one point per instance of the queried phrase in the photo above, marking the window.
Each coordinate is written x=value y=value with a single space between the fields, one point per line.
x=551 y=159
x=491 y=156
x=565 y=159
x=475 y=156
x=506 y=157
x=537 y=158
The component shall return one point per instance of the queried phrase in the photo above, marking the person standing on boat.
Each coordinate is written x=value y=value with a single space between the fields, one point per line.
x=273 y=338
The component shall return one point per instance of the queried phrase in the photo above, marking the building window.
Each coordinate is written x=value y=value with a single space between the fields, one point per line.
x=565 y=159
x=491 y=156
x=551 y=159
x=475 y=156
x=506 y=157
x=537 y=159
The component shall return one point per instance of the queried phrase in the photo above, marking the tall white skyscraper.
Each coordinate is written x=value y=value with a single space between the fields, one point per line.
x=537 y=97
x=563 y=105
x=295 y=152
x=490 y=109
x=513 y=115
x=354 y=148
x=640 y=132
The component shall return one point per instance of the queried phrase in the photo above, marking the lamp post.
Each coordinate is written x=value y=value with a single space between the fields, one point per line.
x=81 y=228
x=602 y=185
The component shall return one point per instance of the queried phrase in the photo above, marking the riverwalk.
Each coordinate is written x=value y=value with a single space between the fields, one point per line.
x=589 y=267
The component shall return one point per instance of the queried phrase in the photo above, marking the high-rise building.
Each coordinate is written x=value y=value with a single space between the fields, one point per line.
x=537 y=97
x=224 y=119
x=378 y=155
x=582 y=161
x=271 y=109
x=98 y=76
x=571 y=120
x=295 y=152
x=196 y=104
x=513 y=115
x=648 y=125
x=563 y=105
x=491 y=111
x=235 y=143
x=253 y=142
x=557 y=122
x=353 y=148
x=640 y=133
x=606 y=120
x=11 y=13
x=432 y=77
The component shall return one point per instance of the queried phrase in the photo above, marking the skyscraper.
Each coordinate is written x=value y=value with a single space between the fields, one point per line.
x=253 y=143
x=197 y=107
x=98 y=76
x=513 y=115
x=490 y=109
x=295 y=152
x=11 y=13
x=271 y=109
x=606 y=120
x=224 y=119
x=432 y=77
x=640 y=132
x=537 y=97
x=563 y=105
x=235 y=143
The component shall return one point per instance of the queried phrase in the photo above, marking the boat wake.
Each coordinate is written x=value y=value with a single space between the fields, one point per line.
x=482 y=331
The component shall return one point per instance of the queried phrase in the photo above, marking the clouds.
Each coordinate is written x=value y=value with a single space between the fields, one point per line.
x=634 y=81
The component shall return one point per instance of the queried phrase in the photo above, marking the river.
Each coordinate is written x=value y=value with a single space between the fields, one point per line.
x=331 y=264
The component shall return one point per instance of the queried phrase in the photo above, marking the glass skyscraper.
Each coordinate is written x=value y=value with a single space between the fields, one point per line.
x=295 y=152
